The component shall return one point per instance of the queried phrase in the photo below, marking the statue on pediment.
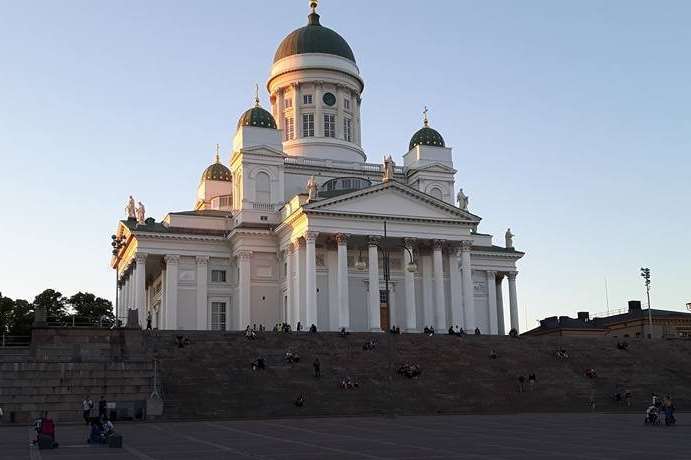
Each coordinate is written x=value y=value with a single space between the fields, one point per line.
x=388 y=168
x=509 y=238
x=463 y=200
x=141 y=214
x=312 y=188
x=130 y=209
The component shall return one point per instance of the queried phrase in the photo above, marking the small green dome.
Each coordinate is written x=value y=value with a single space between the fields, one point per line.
x=314 y=38
x=217 y=171
x=256 y=116
x=426 y=136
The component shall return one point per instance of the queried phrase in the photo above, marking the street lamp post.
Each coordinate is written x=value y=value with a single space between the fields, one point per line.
x=384 y=248
x=645 y=273
x=117 y=243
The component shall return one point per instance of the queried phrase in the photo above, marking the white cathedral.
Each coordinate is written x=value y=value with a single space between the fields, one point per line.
x=299 y=227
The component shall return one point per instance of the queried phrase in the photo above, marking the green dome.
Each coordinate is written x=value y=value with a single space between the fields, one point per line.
x=217 y=171
x=426 y=136
x=314 y=38
x=256 y=116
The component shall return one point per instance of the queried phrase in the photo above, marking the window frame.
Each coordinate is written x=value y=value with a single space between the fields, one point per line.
x=308 y=124
x=224 y=277
x=348 y=129
x=329 y=125
x=307 y=99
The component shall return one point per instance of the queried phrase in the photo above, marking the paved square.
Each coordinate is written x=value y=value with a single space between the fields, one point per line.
x=533 y=436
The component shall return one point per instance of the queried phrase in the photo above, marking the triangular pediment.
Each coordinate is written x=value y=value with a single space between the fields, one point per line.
x=433 y=167
x=392 y=199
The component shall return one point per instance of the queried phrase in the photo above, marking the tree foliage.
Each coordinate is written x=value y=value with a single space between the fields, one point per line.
x=83 y=308
x=90 y=309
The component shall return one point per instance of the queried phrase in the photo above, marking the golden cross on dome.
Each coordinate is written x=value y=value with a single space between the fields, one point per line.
x=424 y=112
x=256 y=94
x=218 y=153
x=313 y=5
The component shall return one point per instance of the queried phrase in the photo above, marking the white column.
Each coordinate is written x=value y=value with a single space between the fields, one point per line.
x=373 y=272
x=342 y=282
x=171 y=321
x=163 y=311
x=468 y=300
x=299 y=304
x=244 y=289
x=297 y=109
x=202 y=293
x=334 y=305
x=427 y=291
x=492 y=295
x=290 y=283
x=500 y=306
x=455 y=286
x=311 y=279
x=410 y=312
x=140 y=293
x=513 y=300
x=439 y=294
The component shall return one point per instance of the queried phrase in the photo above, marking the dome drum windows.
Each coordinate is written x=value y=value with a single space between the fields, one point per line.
x=329 y=125
x=307 y=99
x=307 y=125
x=289 y=128
x=347 y=129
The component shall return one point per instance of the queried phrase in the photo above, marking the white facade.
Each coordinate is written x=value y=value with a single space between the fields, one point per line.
x=264 y=247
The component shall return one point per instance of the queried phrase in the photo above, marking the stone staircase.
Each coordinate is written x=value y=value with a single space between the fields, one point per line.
x=211 y=377
x=62 y=366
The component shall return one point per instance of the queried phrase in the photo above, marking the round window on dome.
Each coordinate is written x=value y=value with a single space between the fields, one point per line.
x=329 y=99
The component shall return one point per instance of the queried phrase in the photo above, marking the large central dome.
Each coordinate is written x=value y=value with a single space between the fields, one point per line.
x=314 y=38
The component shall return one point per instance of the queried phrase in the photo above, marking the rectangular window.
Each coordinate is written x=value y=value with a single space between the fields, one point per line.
x=225 y=202
x=346 y=104
x=307 y=125
x=288 y=103
x=218 y=316
x=329 y=125
x=290 y=128
x=307 y=99
x=218 y=276
x=383 y=296
x=348 y=129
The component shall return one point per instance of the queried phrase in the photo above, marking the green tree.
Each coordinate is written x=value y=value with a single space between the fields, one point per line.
x=90 y=309
x=16 y=316
x=54 y=304
x=22 y=318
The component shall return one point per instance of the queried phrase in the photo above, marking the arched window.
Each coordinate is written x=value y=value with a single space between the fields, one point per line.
x=262 y=184
x=436 y=193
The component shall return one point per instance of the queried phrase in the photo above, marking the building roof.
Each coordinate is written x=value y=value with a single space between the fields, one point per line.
x=258 y=117
x=426 y=136
x=314 y=38
x=217 y=171
x=602 y=323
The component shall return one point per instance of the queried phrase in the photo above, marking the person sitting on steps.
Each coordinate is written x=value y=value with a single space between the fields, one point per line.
x=477 y=331
x=513 y=333
x=343 y=332
x=493 y=354
x=300 y=400
x=298 y=328
x=313 y=329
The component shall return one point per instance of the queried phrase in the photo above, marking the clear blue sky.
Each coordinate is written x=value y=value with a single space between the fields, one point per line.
x=570 y=122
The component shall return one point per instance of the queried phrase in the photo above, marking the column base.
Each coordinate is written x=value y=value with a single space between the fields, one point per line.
x=375 y=329
x=411 y=331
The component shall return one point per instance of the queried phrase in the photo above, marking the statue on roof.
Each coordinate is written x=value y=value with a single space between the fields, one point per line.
x=312 y=188
x=130 y=209
x=388 y=168
x=141 y=214
x=509 y=238
x=463 y=200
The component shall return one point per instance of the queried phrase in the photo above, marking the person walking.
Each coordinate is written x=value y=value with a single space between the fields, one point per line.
x=317 y=368
x=531 y=381
x=102 y=407
x=87 y=405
